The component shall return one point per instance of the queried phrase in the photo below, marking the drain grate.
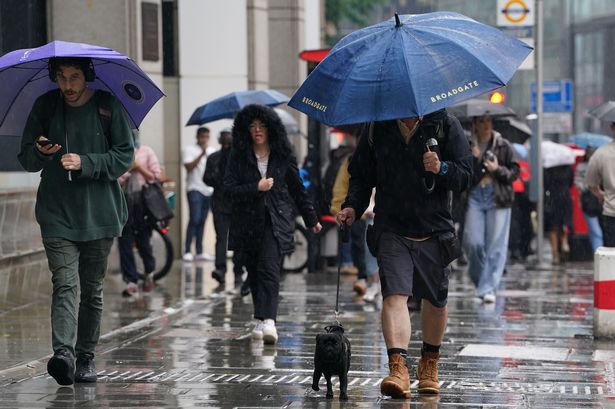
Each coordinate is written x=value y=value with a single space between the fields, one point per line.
x=363 y=380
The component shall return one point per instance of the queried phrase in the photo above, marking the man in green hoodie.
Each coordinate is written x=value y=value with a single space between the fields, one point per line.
x=79 y=207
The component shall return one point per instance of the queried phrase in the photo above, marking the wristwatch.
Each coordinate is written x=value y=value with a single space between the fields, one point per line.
x=443 y=168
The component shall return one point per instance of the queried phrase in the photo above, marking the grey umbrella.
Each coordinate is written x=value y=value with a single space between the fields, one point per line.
x=479 y=107
x=604 y=112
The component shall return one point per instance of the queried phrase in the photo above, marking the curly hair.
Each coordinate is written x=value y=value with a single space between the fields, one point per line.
x=279 y=144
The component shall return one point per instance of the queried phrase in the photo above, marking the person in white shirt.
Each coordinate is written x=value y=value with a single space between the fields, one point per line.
x=199 y=194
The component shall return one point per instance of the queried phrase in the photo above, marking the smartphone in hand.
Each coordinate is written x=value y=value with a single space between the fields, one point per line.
x=45 y=142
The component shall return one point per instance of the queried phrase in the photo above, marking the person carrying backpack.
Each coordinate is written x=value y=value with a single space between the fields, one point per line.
x=80 y=206
x=413 y=231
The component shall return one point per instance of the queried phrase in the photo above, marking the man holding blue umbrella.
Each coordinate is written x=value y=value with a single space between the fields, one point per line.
x=413 y=163
x=81 y=141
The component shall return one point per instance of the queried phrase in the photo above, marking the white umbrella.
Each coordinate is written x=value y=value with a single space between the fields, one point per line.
x=556 y=154
x=289 y=121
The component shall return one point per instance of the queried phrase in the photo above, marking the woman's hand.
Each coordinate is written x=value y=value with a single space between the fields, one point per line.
x=492 y=165
x=265 y=184
x=317 y=228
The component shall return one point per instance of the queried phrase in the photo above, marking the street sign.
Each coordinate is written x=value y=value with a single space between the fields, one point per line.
x=557 y=96
x=515 y=13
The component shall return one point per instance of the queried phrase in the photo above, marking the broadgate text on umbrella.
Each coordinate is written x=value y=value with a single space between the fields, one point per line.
x=455 y=91
x=314 y=104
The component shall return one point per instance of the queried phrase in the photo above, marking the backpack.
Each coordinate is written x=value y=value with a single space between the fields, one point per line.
x=54 y=98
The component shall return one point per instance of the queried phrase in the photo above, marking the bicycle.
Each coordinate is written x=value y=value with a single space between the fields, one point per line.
x=297 y=261
x=161 y=244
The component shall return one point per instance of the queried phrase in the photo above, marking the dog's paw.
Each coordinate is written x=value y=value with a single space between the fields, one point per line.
x=329 y=395
x=343 y=396
x=315 y=387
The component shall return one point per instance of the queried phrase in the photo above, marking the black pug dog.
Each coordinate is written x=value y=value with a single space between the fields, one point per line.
x=332 y=357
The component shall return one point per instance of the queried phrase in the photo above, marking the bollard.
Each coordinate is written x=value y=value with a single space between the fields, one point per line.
x=604 y=292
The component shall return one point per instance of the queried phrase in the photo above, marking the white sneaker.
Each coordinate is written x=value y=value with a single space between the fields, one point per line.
x=372 y=291
x=489 y=298
x=204 y=257
x=257 y=331
x=188 y=257
x=270 y=334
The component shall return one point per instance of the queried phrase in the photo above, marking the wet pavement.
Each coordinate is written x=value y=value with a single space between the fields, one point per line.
x=188 y=345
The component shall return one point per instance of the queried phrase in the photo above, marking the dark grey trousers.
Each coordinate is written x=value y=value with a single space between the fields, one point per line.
x=74 y=263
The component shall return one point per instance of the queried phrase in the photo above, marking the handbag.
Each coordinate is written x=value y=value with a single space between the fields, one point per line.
x=590 y=204
x=155 y=202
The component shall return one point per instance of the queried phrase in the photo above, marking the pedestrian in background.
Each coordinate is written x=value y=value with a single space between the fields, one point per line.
x=600 y=179
x=145 y=169
x=558 y=210
x=357 y=231
x=490 y=200
x=199 y=194
x=591 y=206
x=263 y=182
x=80 y=206
x=221 y=208
x=413 y=232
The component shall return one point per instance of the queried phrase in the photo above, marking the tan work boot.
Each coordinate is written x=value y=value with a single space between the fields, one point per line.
x=427 y=372
x=397 y=384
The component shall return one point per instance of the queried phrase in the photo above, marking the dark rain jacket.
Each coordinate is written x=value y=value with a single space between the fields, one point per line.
x=403 y=204
x=214 y=177
x=250 y=206
x=504 y=176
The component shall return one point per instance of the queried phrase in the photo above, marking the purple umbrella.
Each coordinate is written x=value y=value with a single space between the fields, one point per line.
x=24 y=77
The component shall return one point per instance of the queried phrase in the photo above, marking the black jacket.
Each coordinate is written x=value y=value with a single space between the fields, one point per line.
x=214 y=177
x=505 y=175
x=250 y=206
x=403 y=204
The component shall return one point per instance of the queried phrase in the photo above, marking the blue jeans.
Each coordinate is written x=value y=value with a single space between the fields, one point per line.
x=485 y=239
x=595 y=231
x=199 y=207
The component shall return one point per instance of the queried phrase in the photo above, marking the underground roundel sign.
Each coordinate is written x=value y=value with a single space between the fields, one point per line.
x=515 y=13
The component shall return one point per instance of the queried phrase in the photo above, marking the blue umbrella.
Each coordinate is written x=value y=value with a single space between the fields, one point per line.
x=586 y=139
x=228 y=105
x=24 y=77
x=408 y=66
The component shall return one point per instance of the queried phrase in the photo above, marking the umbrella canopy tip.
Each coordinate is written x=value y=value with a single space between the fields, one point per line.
x=397 y=21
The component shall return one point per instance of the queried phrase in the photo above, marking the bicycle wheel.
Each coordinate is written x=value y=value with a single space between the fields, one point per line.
x=163 y=252
x=297 y=261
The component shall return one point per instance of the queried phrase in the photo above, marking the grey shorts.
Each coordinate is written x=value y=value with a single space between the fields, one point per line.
x=413 y=268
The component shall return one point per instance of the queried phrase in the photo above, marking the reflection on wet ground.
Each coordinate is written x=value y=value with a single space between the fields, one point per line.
x=532 y=348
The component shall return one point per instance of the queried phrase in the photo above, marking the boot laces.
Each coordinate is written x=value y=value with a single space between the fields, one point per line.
x=430 y=369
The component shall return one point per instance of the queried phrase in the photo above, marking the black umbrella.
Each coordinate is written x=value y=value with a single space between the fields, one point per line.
x=479 y=107
x=604 y=112
x=512 y=129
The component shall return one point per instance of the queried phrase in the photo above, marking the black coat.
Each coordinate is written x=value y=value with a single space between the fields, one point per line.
x=214 y=177
x=403 y=204
x=250 y=206
x=505 y=175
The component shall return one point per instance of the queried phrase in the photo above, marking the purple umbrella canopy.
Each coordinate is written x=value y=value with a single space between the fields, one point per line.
x=24 y=76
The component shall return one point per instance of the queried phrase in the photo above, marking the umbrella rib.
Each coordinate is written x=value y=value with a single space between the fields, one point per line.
x=17 y=94
x=408 y=71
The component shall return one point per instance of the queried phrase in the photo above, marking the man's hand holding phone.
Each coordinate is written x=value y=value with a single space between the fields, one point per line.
x=47 y=147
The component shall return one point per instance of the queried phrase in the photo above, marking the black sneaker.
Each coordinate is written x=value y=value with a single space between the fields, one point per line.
x=61 y=367
x=218 y=276
x=86 y=369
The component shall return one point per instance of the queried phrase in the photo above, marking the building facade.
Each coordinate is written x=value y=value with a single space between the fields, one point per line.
x=194 y=50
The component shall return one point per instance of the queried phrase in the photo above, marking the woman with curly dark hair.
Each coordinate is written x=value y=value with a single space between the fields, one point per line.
x=262 y=178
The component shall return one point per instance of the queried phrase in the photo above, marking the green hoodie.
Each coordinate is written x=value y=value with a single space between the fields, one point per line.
x=92 y=205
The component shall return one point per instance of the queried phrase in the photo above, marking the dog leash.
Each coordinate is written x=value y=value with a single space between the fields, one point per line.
x=345 y=237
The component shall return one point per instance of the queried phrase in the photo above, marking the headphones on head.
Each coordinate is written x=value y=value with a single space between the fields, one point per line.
x=85 y=64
